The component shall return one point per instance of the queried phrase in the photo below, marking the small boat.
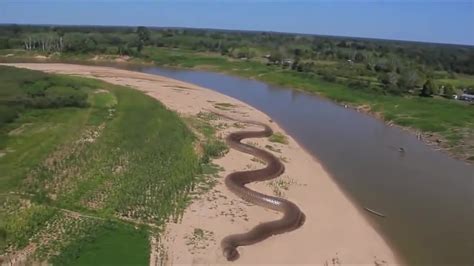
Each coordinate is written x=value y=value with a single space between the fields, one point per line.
x=375 y=212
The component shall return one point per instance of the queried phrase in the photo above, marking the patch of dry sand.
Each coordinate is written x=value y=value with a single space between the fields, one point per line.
x=335 y=231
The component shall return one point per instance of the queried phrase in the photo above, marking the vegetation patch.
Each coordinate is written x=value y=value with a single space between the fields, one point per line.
x=199 y=240
x=108 y=244
x=77 y=180
x=22 y=220
x=280 y=185
x=209 y=147
x=279 y=138
x=271 y=148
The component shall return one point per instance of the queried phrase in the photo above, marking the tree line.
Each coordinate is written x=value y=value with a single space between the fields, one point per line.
x=397 y=67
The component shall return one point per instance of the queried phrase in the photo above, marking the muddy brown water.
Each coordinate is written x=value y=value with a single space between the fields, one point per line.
x=427 y=197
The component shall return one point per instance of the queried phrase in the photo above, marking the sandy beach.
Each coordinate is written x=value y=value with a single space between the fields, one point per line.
x=335 y=231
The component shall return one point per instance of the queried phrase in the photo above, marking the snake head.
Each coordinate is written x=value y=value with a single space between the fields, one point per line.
x=231 y=253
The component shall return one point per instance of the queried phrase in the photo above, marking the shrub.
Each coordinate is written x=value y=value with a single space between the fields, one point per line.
x=36 y=89
x=328 y=77
x=214 y=149
x=428 y=89
x=359 y=85
x=7 y=114
x=449 y=91
x=66 y=96
x=55 y=97
x=278 y=137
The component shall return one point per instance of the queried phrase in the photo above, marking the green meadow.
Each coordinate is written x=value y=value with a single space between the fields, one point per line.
x=89 y=170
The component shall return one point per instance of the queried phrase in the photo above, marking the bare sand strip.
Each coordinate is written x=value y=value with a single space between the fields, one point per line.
x=335 y=232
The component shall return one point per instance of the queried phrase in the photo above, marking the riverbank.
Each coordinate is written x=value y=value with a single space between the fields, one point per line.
x=335 y=230
x=446 y=125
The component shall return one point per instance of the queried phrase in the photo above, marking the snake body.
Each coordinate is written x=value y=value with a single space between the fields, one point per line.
x=235 y=182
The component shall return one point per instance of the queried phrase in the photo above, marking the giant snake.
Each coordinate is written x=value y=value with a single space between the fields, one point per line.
x=236 y=181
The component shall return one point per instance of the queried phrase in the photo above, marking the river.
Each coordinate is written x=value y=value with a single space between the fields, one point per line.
x=427 y=197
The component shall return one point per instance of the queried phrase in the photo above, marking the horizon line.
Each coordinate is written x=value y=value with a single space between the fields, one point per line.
x=240 y=30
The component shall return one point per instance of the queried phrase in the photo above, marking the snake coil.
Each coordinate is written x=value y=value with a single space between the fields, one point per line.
x=235 y=182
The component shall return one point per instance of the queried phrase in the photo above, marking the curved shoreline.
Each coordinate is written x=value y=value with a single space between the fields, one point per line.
x=337 y=230
x=433 y=140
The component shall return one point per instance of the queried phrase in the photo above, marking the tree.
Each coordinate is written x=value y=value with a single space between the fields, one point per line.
x=143 y=37
x=342 y=44
x=143 y=34
x=89 y=45
x=74 y=42
x=428 y=89
x=408 y=80
x=296 y=66
x=388 y=79
x=4 y=43
x=241 y=54
x=297 y=52
x=391 y=81
x=383 y=66
x=16 y=29
x=449 y=91
x=276 y=58
x=359 y=57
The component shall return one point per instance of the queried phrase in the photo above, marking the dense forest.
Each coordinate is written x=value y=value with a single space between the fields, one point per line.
x=377 y=66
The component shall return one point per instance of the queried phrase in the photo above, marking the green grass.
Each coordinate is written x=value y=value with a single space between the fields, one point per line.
x=19 y=225
x=210 y=145
x=461 y=81
x=132 y=152
x=33 y=133
x=111 y=244
x=124 y=155
x=32 y=137
x=431 y=115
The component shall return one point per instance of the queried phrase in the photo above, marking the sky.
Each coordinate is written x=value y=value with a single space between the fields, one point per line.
x=448 y=21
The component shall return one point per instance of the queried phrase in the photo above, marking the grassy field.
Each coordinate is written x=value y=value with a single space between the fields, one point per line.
x=78 y=180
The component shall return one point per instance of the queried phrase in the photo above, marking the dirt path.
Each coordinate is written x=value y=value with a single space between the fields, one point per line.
x=335 y=232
